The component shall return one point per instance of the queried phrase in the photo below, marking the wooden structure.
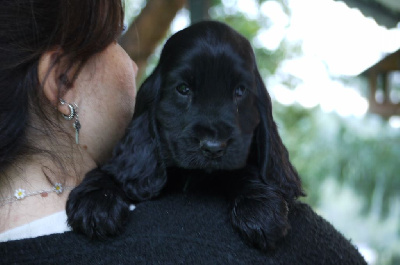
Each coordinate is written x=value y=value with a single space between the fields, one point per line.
x=380 y=86
x=386 y=13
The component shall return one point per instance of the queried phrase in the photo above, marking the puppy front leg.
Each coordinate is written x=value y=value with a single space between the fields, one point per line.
x=99 y=206
x=259 y=214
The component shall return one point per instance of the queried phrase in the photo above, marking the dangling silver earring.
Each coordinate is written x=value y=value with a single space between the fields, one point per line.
x=73 y=113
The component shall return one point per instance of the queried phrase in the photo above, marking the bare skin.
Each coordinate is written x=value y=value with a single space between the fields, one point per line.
x=105 y=94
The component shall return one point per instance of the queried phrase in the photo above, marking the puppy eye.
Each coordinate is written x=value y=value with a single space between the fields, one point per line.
x=239 y=91
x=183 y=89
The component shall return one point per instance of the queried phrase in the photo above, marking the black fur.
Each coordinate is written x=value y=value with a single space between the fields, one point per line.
x=206 y=111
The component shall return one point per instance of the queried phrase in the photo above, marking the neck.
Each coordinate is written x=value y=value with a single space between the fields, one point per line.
x=38 y=173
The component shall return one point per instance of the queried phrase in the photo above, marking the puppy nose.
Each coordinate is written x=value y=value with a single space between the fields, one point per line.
x=212 y=149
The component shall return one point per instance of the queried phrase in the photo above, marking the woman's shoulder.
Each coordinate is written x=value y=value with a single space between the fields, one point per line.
x=312 y=238
x=205 y=227
x=189 y=229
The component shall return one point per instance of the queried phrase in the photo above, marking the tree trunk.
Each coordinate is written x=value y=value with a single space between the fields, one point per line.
x=148 y=29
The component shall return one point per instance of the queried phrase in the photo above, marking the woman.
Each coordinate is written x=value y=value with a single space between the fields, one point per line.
x=66 y=96
x=67 y=93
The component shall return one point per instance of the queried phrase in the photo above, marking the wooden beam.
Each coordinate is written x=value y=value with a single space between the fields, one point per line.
x=148 y=29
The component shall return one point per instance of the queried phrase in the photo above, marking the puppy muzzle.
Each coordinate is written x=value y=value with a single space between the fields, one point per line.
x=212 y=148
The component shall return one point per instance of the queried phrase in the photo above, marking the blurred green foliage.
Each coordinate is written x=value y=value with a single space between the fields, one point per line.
x=362 y=153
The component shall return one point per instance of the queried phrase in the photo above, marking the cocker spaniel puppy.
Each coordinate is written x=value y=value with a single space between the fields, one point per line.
x=202 y=116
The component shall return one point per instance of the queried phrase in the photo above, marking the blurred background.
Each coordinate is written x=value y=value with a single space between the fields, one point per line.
x=333 y=71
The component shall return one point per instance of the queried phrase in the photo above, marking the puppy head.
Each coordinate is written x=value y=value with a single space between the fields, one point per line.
x=210 y=109
x=207 y=110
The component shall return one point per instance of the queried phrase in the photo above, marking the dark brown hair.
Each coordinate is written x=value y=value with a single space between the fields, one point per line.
x=28 y=28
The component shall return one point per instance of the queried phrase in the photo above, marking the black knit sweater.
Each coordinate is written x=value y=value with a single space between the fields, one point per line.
x=188 y=229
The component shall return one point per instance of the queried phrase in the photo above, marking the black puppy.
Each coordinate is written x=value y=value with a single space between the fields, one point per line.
x=204 y=110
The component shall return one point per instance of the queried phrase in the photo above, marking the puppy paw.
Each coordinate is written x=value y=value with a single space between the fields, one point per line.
x=97 y=207
x=260 y=221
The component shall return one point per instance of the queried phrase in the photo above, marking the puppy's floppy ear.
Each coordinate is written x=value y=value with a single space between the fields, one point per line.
x=273 y=157
x=137 y=163
x=148 y=94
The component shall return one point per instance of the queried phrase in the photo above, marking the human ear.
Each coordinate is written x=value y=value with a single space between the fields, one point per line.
x=54 y=81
